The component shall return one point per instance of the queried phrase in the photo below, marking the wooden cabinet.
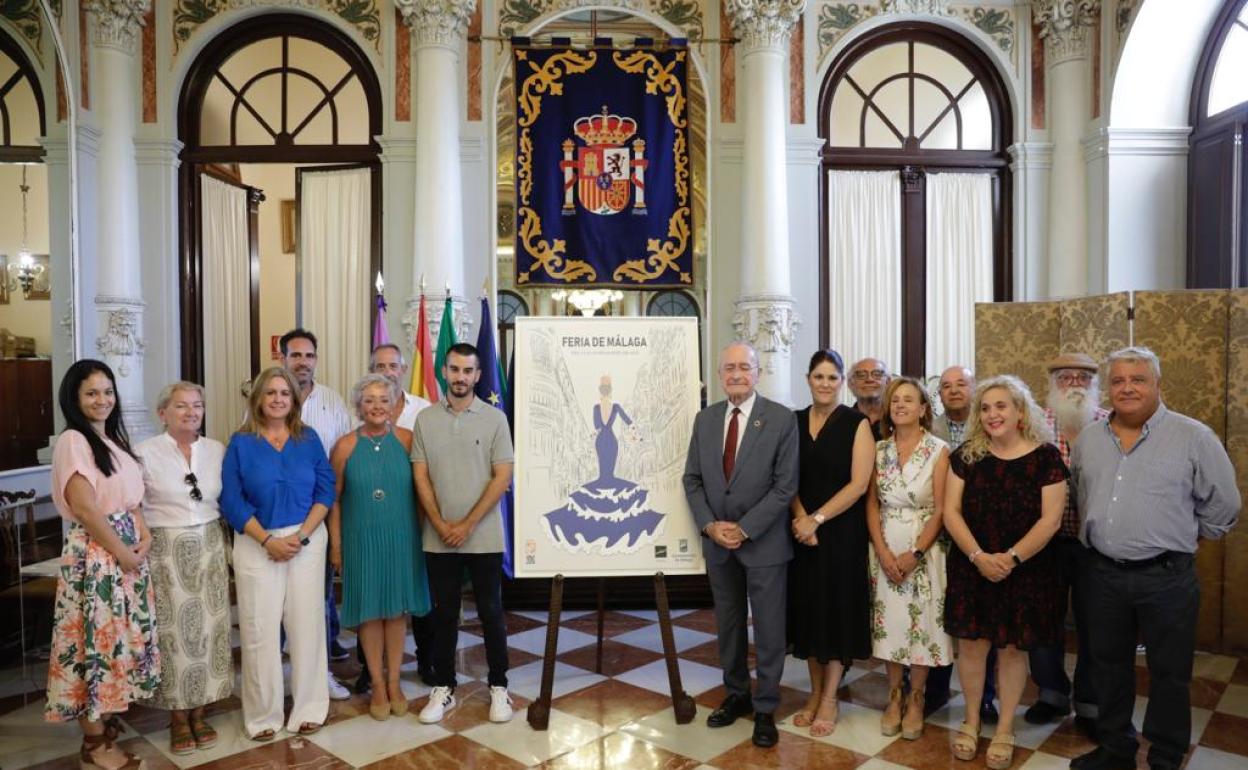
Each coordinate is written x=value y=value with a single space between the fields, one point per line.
x=26 y=409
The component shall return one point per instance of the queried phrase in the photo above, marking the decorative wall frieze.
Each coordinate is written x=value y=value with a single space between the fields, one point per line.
x=437 y=22
x=117 y=23
x=1066 y=28
x=515 y=15
x=190 y=15
x=997 y=22
x=764 y=23
x=27 y=18
x=769 y=322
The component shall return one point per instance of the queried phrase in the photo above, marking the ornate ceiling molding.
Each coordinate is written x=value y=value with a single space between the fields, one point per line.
x=1066 y=27
x=437 y=22
x=764 y=23
x=117 y=23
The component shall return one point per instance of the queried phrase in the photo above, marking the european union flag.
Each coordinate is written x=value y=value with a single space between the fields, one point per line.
x=492 y=389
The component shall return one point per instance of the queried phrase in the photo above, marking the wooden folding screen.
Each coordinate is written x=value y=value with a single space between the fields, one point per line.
x=1017 y=338
x=1188 y=331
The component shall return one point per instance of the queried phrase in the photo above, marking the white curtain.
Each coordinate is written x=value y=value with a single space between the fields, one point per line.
x=335 y=226
x=864 y=255
x=227 y=304
x=959 y=265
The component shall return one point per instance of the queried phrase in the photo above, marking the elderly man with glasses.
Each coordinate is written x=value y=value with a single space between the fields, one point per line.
x=868 y=379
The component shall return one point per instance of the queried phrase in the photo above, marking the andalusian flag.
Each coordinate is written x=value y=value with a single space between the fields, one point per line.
x=446 y=338
x=424 y=382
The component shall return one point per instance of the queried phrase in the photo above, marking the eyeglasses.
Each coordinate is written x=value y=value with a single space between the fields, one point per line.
x=196 y=495
x=863 y=375
x=1070 y=378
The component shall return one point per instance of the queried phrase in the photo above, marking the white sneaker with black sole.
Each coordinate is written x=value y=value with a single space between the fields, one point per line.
x=441 y=700
x=336 y=690
x=500 y=705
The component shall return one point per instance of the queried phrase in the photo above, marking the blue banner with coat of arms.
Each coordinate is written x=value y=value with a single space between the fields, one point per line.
x=602 y=167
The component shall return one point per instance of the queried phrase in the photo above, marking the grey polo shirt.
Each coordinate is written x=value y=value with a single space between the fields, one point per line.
x=461 y=451
x=1175 y=485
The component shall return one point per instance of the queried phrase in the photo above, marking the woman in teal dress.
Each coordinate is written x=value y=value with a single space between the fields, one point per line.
x=375 y=541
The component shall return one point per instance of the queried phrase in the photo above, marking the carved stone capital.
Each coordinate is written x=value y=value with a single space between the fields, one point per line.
x=1066 y=27
x=433 y=318
x=117 y=23
x=121 y=320
x=769 y=322
x=437 y=22
x=764 y=23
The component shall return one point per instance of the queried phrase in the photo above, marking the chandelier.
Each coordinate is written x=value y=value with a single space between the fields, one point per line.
x=27 y=270
x=588 y=301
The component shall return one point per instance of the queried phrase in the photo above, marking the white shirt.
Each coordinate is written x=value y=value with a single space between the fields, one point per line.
x=326 y=413
x=746 y=407
x=411 y=407
x=167 y=495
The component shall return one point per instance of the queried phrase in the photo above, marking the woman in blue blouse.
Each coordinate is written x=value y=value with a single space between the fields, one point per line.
x=276 y=489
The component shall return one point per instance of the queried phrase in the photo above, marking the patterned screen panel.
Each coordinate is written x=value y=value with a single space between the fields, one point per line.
x=1235 y=567
x=1017 y=338
x=1096 y=325
x=1188 y=330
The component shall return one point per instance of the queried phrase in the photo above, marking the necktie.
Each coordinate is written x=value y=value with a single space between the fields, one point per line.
x=730 y=444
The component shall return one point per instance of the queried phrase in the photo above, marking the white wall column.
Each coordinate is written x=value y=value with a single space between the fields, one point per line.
x=115 y=27
x=438 y=29
x=1066 y=26
x=765 y=309
x=158 y=162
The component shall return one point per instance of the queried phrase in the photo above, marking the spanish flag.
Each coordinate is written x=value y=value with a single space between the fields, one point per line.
x=424 y=383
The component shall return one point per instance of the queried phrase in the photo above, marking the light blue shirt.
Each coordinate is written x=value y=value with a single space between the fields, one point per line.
x=1174 y=486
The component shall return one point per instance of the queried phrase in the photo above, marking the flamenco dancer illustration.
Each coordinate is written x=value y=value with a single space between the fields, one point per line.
x=609 y=512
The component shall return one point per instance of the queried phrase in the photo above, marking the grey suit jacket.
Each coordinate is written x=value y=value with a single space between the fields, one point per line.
x=764 y=480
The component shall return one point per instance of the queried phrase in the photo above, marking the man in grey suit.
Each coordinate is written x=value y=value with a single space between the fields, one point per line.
x=740 y=475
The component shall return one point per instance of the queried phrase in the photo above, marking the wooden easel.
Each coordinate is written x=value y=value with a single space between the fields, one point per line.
x=682 y=703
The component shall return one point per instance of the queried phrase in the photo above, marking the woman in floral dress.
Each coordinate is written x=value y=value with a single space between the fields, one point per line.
x=907 y=555
x=104 y=653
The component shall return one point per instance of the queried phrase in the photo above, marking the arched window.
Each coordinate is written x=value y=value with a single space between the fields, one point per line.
x=916 y=196
x=672 y=303
x=510 y=306
x=21 y=105
x=1217 y=205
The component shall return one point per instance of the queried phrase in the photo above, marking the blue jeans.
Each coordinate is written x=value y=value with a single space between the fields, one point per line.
x=332 y=627
x=1048 y=664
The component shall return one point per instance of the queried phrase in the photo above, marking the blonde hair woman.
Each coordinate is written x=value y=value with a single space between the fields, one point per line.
x=1003 y=502
x=182 y=484
x=276 y=489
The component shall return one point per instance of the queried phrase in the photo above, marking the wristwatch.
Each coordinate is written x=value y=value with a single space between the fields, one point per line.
x=819 y=519
x=1014 y=556
x=303 y=539
x=918 y=553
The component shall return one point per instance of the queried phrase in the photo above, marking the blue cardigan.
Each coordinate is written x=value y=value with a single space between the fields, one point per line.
x=277 y=488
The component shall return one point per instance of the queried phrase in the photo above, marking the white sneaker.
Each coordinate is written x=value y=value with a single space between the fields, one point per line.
x=500 y=705
x=337 y=691
x=441 y=700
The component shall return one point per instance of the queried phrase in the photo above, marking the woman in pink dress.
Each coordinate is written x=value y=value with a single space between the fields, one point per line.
x=104 y=653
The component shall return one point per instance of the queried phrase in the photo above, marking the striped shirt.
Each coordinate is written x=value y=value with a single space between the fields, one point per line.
x=1174 y=486
x=326 y=413
x=1070 y=516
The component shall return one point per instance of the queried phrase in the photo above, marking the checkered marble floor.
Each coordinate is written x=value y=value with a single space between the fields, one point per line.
x=621 y=718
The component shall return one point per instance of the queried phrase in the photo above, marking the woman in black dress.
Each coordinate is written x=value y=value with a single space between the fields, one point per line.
x=829 y=612
x=1004 y=499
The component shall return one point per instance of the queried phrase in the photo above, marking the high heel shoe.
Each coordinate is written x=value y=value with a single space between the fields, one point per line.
x=890 y=721
x=379 y=711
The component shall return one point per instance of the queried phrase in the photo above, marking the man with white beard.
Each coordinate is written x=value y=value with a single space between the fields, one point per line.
x=1073 y=403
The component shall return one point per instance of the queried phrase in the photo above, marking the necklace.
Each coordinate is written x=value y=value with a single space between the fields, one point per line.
x=277 y=442
x=376 y=442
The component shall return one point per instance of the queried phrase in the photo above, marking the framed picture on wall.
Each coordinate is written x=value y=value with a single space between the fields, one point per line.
x=289 y=217
x=4 y=279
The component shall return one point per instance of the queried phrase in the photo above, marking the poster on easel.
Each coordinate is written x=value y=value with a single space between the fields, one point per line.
x=604 y=410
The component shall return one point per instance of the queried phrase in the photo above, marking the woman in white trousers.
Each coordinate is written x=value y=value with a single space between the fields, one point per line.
x=276 y=489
